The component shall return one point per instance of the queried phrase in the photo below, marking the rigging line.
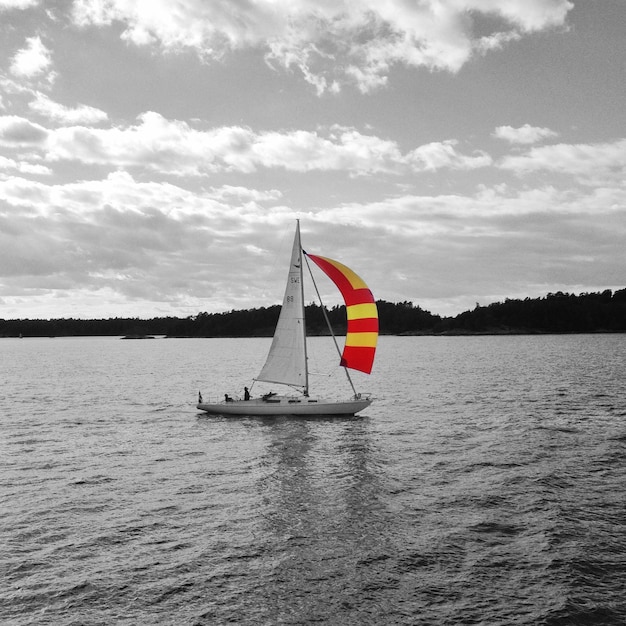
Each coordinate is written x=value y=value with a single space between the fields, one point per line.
x=330 y=328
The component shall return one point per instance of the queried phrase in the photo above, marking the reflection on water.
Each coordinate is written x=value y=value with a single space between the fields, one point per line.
x=326 y=517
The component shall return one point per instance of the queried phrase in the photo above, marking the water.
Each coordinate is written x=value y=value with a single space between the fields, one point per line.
x=485 y=486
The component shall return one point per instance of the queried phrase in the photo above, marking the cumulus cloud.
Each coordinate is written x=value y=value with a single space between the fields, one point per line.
x=17 y=131
x=54 y=111
x=120 y=192
x=174 y=147
x=589 y=163
x=143 y=242
x=32 y=60
x=23 y=167
x=437 y=155
x=147 y=244
x=331 y=43
x=17 y=4
x=492 y=244
x=244 y=194
x=480 y=213
x=525 y=134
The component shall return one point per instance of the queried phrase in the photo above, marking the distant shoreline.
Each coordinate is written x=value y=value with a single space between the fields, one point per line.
x=556 y=313
x=447 y=333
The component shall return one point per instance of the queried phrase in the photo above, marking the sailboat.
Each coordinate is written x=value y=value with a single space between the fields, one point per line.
x=287 y=363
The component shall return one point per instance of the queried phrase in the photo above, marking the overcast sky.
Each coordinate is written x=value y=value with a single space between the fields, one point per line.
x=154 y=155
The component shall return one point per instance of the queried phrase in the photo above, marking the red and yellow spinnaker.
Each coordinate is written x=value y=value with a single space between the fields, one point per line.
x=362 y=332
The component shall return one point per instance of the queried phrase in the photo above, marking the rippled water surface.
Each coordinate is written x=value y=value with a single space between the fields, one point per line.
x=486 y=485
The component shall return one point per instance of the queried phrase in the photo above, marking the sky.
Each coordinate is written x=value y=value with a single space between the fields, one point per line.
x=155 y=155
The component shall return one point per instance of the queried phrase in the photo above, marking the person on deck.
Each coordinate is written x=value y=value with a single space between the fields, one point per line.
x=246 y=394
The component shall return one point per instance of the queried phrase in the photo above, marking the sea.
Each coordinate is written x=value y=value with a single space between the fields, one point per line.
x=486 y=484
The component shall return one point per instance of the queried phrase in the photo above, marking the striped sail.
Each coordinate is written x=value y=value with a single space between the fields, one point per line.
x=362 y=332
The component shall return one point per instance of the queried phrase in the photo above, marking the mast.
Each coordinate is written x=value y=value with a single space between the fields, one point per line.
x=306 y=360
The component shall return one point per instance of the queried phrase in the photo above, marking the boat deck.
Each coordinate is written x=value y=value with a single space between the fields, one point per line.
x=285 y=405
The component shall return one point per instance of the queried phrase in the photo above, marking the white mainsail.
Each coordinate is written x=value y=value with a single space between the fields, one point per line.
x=286 y=362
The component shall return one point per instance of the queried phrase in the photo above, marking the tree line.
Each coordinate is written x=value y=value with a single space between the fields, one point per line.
x=555 y=313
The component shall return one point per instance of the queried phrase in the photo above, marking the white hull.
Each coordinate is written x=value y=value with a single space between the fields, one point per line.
x=285 y=405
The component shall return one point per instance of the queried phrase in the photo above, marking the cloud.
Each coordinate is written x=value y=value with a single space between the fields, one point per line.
x=32 y=60
x=593 y=164
x=174 y=147
x=330 y=43
x=155 y=246
x=24 y=167
x=6 y=5
x=525 y=134
x=495 y=243
x=19 y=132
x=81 y=114
x=438 y=155
x=244 y=194
x=119 y=191
x=143 y=244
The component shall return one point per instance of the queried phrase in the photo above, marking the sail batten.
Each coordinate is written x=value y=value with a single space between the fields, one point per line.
x=361 y=311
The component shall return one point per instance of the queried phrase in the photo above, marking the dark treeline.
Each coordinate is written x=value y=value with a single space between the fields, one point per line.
x=554 y=313
x=394 y=319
